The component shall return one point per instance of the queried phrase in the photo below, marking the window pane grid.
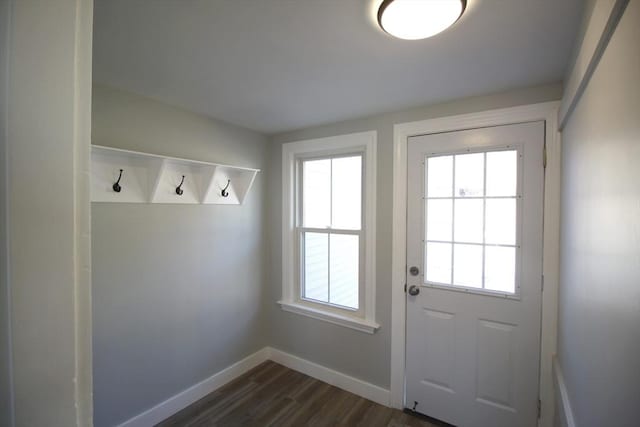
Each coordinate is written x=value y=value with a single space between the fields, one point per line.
x=331 y=211
x=480 y=269
x=471 y=198
x=331 y=192
x=342 y=288
x=460 y=242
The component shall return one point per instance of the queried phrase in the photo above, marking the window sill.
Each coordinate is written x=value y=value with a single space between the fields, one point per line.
x=356 y=323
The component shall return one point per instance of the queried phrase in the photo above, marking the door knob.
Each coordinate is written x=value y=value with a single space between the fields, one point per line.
x=414 y=290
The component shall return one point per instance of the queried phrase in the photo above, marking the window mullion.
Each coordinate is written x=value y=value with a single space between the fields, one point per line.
x=330 y=193
x=298 y=193
x=453 y=217
x=329 y=267
x=329 y=233
x=301 y=263
x=331 y=230
x=484 y=218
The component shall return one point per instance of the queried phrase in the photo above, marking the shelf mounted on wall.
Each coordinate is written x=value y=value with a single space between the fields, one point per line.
x=151 y=178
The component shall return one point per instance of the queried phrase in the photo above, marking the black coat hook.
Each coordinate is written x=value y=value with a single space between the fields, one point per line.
x=225 y=193
x=179 y=190
x=116 y=185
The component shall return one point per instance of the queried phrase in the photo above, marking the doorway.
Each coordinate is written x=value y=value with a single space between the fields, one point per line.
x=474 y=275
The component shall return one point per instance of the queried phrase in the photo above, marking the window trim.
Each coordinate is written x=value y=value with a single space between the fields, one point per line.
x=365 y=144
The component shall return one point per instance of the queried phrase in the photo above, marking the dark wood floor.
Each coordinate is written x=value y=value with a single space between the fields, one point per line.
x=272 y=395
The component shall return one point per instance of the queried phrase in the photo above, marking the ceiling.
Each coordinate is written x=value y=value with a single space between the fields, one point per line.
x=277 y=65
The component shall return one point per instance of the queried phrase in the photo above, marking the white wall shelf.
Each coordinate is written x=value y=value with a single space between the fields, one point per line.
x=150 y=178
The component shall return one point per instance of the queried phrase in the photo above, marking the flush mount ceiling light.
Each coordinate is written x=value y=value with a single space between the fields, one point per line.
x=418 y=19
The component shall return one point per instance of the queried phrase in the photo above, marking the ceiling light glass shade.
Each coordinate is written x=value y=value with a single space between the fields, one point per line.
x=418 y=19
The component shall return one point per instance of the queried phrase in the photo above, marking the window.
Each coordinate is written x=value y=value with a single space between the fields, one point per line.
x=329 y=229
x=471 y=220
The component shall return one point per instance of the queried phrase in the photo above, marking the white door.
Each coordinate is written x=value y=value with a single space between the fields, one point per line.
x=474 y=275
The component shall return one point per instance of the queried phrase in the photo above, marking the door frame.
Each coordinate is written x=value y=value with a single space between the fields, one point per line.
x=547 y=112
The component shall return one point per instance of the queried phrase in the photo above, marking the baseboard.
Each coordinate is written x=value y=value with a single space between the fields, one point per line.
x=565 y=414
x=335 y=378
x=164 y=410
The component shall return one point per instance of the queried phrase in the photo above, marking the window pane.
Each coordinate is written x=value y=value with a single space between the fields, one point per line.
x=344 y=268
x=439 y=176
x=468 y=221
x=469 y=175
x=346 y=192
x=316 y=266
x=502 y=172
x=316 y=193
x=501 y=221
x=438 y=262
x=467 y=265
x=500 y=269
x=439 y=219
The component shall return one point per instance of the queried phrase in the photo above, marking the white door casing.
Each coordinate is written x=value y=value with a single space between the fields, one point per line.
x=473 y=359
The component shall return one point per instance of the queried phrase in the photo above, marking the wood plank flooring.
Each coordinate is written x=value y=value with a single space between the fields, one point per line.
x=273 y=395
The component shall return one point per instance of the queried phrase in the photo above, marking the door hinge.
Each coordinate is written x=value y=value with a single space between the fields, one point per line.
x=539 y=408
x=405 y=288
x=544 y=155
x=542 y=284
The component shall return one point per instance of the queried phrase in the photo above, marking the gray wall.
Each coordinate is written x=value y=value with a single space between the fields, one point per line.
x=177 y=289
x=6 y=407
x=599 y=316
x=361 y=355
x=48 y=210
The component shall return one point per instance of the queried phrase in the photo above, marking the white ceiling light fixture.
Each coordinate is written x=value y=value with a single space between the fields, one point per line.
x=418 y=19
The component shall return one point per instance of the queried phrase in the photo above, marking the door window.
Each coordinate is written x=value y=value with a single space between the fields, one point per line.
x=471 y=220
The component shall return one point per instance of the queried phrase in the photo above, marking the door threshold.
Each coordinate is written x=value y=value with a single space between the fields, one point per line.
x=424 y=417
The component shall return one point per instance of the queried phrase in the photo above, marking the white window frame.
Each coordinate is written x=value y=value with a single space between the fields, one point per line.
x=515 y=295
x=363 y=143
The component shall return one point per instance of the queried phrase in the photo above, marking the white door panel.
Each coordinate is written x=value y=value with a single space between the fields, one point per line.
x=473 y=331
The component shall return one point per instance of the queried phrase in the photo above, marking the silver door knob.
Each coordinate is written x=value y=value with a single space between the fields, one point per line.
x=414 y=290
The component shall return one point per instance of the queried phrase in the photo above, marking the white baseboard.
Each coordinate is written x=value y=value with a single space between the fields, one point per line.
x=565 y=414
x=335 y=378
x=164 y=410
